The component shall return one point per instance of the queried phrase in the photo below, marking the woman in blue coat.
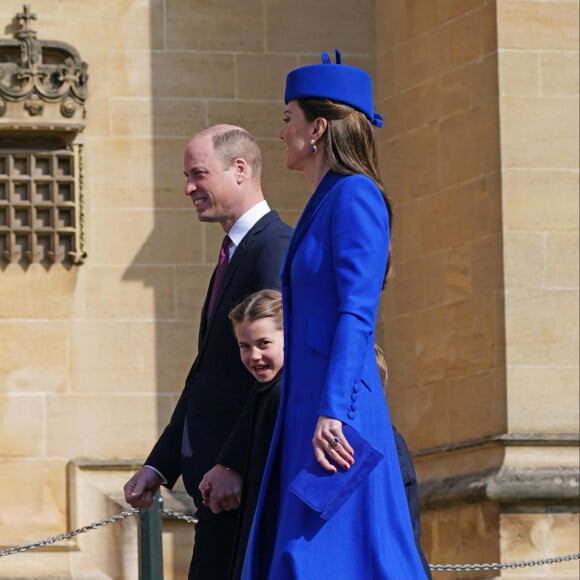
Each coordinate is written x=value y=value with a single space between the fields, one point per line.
x=332 y=503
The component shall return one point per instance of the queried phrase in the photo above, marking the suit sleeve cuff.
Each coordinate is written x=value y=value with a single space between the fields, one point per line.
x=164 y=482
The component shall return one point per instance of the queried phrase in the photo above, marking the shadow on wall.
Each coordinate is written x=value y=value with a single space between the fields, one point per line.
x=209 y=65
x=195 y=72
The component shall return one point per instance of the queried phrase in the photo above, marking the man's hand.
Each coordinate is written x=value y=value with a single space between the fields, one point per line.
x=141 y=488
x=221 y=489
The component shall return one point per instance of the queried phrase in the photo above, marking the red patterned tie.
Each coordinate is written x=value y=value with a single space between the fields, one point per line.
x=220 y=270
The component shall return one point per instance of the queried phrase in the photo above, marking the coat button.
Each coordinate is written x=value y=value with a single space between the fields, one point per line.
x=353 y=406
x=353 y=397
x=350 y=415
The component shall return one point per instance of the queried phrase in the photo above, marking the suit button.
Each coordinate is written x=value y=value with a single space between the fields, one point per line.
x=355 y=388
x=350 y=415
x=353 y=406
x=353 y=397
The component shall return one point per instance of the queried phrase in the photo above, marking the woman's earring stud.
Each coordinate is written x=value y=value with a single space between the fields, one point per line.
x=313 y=147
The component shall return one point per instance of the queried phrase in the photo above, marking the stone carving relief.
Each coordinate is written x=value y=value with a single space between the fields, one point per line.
x=42 y=82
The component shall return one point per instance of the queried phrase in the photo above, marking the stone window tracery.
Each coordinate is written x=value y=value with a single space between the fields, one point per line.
x=43 y=88
x=39 y=206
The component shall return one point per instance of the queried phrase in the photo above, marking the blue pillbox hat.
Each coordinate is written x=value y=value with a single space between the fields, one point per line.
x=338 y=82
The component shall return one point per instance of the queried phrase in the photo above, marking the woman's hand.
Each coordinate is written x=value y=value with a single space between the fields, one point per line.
x=330 y=444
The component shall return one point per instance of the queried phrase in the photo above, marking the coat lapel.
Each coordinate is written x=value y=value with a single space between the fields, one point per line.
x=312 y=207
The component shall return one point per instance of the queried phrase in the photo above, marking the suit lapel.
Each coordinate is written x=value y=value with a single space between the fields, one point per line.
x=236 y=261
x=203 y=316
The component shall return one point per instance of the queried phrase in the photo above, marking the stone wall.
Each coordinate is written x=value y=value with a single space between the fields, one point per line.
x=480 y=322
x=479 y=152
x=95 y=356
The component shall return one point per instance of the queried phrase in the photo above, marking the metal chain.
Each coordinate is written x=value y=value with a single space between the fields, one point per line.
x=67 y=535
x=522 y=564
x=191 y=520
x=179 y=516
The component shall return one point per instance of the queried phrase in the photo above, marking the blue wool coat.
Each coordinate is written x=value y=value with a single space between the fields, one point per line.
x=308 y=524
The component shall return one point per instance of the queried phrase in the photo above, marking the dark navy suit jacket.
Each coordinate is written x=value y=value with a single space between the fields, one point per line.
x=218 y=385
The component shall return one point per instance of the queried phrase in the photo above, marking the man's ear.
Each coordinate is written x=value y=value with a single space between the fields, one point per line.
x=242 y=169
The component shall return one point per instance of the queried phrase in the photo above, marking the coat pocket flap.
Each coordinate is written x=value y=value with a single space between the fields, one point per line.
x=326 y=492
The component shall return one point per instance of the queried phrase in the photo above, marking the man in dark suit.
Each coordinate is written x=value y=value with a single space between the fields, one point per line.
x=222 y=165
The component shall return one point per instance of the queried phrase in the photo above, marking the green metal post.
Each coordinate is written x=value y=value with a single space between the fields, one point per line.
x=150 y=547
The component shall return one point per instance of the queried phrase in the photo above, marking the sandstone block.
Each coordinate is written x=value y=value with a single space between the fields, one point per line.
x=215 y=26
x=562 y=260
x=540 y=200
x=543 y=398
x=143 y=293
x=32 y=357
x=412 y=161
x=542 y=327
x=105 y=427
x=529 y=123
x=541 y=25
x=144 y=239
x=519 y=73
x=289 y=26
x=22 y=425
x=262 y=76
x=262 y=119
x=559 y=73
x=524 y=263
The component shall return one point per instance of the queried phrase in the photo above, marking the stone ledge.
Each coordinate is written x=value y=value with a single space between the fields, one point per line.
x=507 y=440
x=175 y=499
x=548 y=485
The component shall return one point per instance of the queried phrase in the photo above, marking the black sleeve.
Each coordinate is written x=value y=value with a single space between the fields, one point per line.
x=272 y=256
x=234 y=453
x=166 y=454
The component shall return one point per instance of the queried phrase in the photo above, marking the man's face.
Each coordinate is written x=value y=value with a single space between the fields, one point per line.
x=211 y=187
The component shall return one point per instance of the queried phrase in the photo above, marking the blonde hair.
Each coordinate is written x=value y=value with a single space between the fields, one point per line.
x=262 y=304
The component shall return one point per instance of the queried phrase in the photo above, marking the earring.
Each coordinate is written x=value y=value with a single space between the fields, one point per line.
x=313 y=147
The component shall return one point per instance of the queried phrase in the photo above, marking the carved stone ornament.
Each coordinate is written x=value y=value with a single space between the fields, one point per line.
x=43 y=83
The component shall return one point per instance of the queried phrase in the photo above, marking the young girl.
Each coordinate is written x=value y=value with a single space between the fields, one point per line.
x=258 y=326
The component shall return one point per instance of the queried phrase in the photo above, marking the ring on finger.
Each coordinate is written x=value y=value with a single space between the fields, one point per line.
x=334 y=442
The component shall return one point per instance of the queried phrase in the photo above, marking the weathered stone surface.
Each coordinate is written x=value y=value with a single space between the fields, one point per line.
x=479 y=153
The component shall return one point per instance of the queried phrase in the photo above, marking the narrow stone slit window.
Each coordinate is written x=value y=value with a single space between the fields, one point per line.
x=40 y=206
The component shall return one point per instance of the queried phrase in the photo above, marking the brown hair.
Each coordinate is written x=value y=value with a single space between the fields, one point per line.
x=263 y=304
x=382 y=364
x=348 y=144
x=231 y=143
